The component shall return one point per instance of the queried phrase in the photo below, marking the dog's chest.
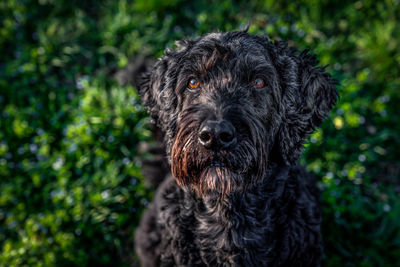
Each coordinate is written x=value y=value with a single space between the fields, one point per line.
x=235 y=234
x=259 y=229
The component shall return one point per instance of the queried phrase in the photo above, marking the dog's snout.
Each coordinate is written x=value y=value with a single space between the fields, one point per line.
x=217 y=134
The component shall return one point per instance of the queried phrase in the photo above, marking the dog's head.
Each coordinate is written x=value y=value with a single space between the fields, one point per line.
x=232 y=103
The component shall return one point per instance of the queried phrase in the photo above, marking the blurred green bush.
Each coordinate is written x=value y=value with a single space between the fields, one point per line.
x=71 y=188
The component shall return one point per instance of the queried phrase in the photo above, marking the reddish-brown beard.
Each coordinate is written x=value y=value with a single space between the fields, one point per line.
x=217 y=179
x=182 y=158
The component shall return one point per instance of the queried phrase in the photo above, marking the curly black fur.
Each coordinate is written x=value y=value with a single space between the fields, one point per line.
x=245 y=203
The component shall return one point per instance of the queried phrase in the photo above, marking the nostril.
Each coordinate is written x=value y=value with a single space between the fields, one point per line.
x=226 y=134
x=226 y=137
x=205 y=137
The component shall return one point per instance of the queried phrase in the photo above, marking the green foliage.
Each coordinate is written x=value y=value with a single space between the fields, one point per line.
x=71 y=189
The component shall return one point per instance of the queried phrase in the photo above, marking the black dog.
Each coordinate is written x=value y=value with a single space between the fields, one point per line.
x=235 y=109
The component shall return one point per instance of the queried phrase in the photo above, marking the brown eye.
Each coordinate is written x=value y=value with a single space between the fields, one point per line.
x=193 y=83
x=258 y=83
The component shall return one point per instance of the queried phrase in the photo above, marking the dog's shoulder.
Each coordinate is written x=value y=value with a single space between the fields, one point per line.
x=307 y=181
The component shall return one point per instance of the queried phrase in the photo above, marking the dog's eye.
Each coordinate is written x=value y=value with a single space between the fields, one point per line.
x=193 y=83
x=258 y=83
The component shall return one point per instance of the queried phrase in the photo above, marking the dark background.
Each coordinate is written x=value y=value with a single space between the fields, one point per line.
x=71 y=189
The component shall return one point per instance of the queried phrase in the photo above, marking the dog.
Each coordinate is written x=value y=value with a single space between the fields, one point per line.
x=234 y=109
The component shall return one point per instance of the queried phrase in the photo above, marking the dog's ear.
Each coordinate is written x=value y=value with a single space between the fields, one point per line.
x=149 y=87
x=157 y=87
x=156 y=90
x=308 y=95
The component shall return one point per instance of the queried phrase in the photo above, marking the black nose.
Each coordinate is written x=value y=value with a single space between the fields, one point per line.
x=217 y=134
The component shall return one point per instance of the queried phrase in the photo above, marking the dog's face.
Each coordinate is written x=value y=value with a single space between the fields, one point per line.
x=232 y=103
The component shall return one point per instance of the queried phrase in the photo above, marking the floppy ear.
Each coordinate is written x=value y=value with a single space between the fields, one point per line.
x=150 y=87
x=157 y=87
x=156 y=90
x=309 y=93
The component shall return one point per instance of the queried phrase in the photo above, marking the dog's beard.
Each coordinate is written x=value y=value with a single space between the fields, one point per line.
x=222 y=172
x=219 y=180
